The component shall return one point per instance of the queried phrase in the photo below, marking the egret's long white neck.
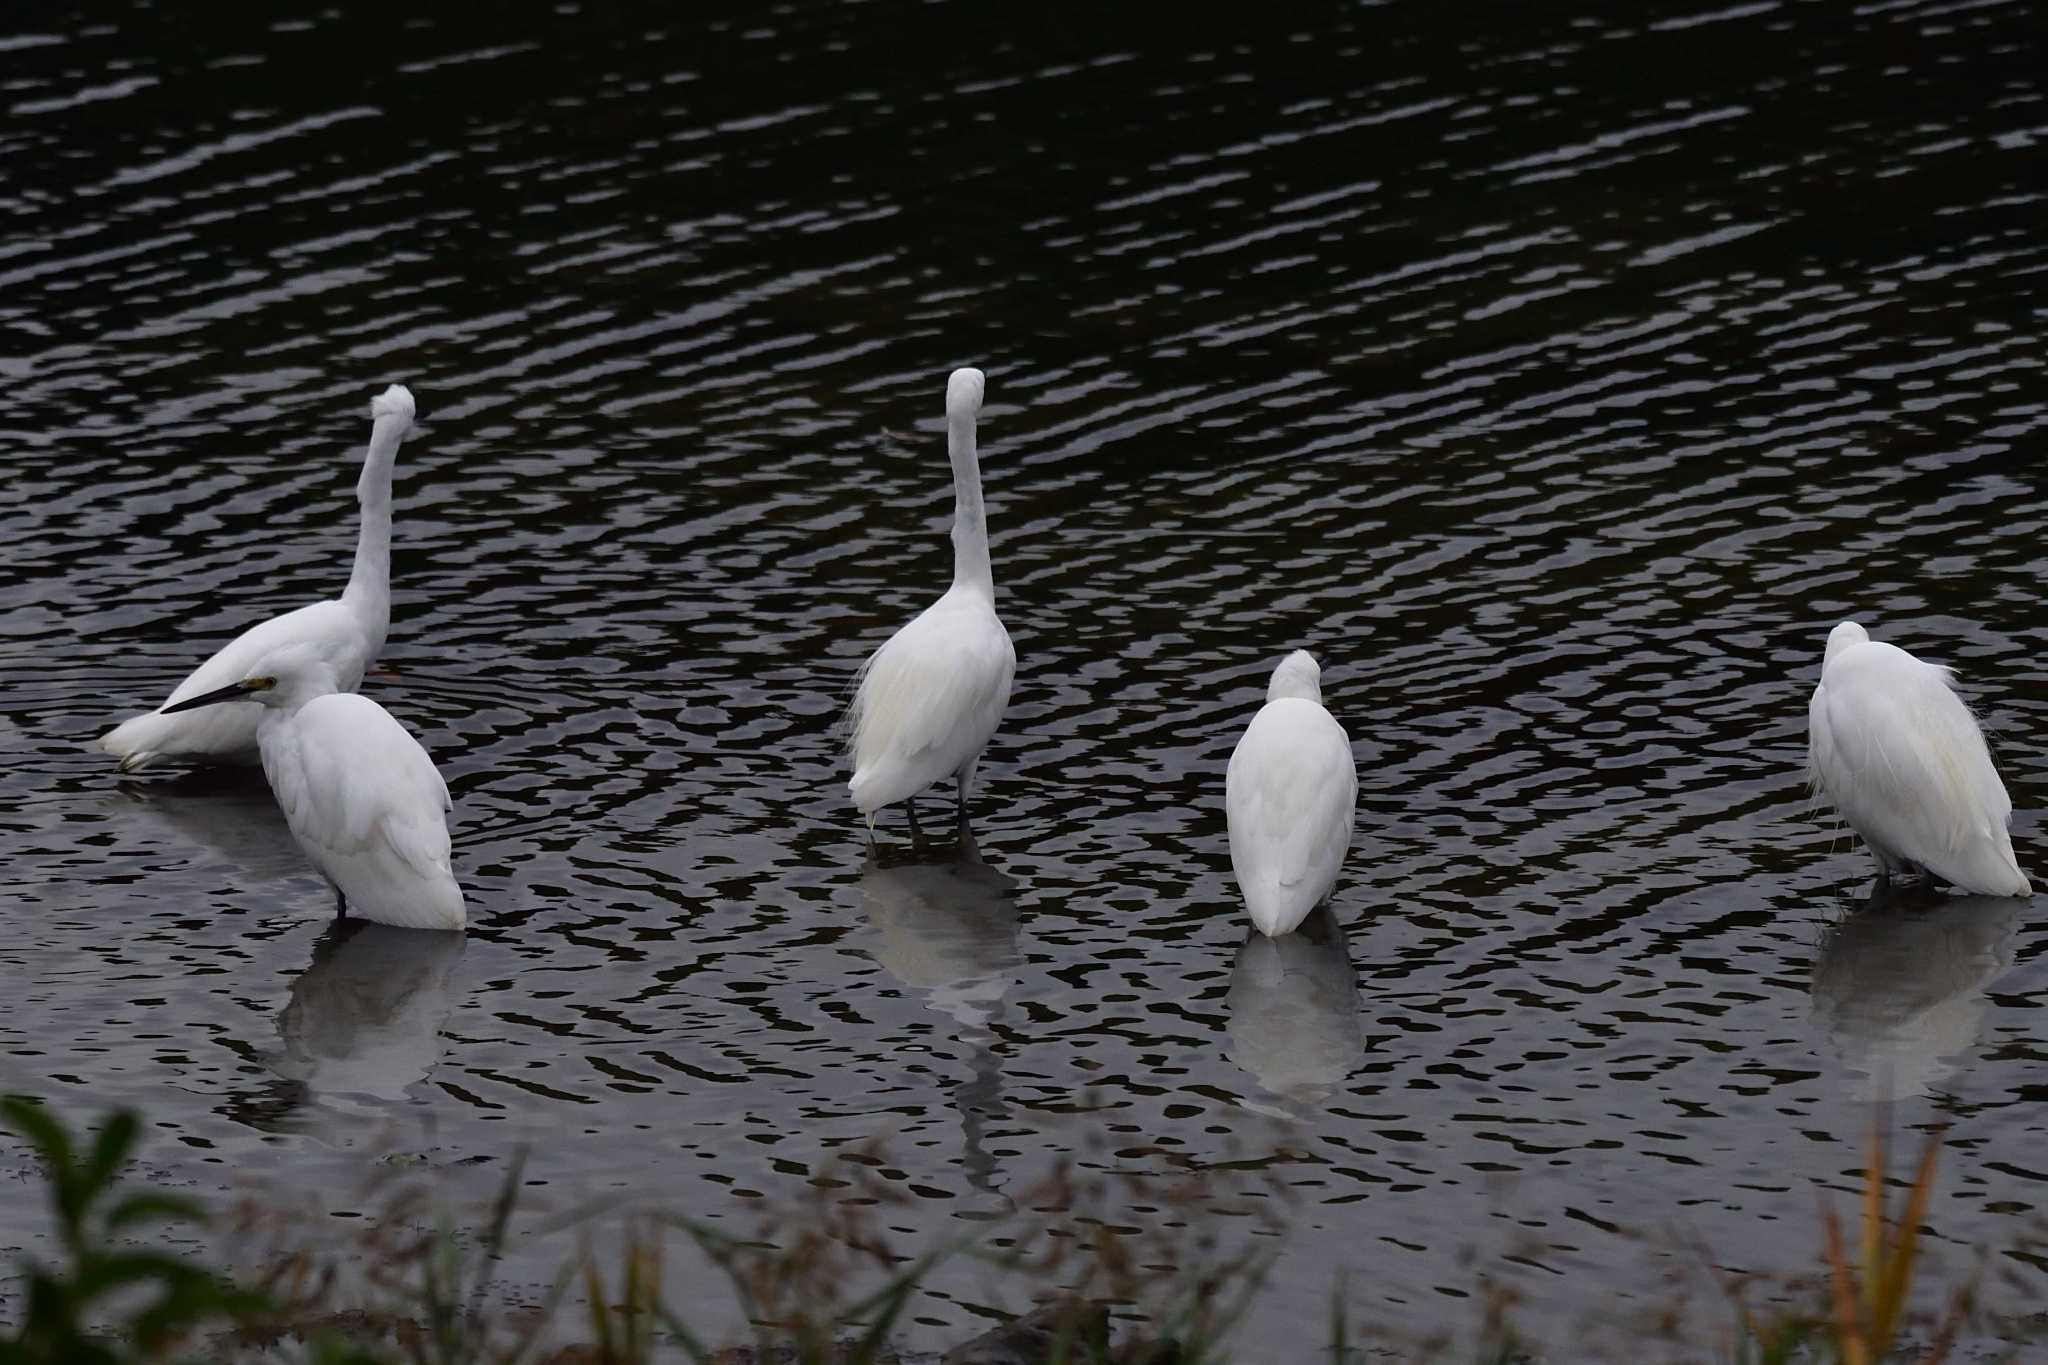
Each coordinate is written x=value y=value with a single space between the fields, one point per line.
x=970 y=519
x=369 y=587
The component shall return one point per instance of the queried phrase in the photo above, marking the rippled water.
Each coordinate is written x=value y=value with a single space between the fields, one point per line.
x=1558 y=378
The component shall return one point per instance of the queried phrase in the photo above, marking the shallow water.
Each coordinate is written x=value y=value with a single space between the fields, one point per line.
x=1558 y=379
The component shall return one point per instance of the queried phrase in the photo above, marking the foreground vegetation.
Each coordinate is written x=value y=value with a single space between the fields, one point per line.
x=818 y=1282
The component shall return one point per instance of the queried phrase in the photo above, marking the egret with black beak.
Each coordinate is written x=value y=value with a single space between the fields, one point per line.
x=358 y=792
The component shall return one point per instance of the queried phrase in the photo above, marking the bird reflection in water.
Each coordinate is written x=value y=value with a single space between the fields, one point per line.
x=228 y=812
x=1899 y=986
x=948 y=928
x=1293 y=1006
x=366 y=1018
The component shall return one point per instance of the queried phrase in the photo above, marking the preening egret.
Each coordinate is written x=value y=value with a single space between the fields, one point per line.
x=928 y=699
x=1902 y=759
x=357 y=790
x=347 y=631
x=1289 y=797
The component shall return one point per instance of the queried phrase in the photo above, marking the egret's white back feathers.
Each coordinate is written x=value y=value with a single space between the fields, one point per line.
x=1902 y=759
x=348 y=632
x=927 y=701
x=1289 y=797
x=358 y=792
x=368 y=807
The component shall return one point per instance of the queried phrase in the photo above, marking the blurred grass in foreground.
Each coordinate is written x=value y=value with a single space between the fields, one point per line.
x=822 y=1285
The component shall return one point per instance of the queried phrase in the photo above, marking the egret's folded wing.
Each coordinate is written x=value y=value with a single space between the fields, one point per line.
x=1291 y=792
x=329 y=627
x=1913 y=757
x=230 y=730
x=918 y=685
x=362 y=777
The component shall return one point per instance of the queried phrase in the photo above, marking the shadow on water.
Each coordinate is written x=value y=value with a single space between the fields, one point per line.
x=945 y=924
x=1900 y=985
x=1293 y=1006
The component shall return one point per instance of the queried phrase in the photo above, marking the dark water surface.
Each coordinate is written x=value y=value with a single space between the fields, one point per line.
x=1559 y=378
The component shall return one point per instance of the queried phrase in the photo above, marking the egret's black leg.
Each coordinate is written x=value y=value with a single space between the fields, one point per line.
x=340 y=904
x=910 y=807
x=960 y=802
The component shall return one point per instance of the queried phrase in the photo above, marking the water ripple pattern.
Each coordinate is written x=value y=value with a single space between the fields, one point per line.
x=1559 y=379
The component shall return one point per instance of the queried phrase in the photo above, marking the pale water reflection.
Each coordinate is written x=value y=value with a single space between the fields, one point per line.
x=944 y=923
x=1293 y=1006
x=1899 y=986
x=225 y=819
x=365 y=1020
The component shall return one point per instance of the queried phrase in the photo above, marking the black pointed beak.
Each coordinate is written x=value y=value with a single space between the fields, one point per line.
x=232 y=692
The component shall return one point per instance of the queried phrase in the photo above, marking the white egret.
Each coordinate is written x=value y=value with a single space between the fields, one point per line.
x=347 y=631
x=1902 y=759
x=1289 y=797
x=357 y=790
x=927 y=701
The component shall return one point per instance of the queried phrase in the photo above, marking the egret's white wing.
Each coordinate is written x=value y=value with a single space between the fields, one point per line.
x=1289 y=796
x=329 y=628
x=367 y=804
x=1903 y=760
x=229 y=731
x=930 y=698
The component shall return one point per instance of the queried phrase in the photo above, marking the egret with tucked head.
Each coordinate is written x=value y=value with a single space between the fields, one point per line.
x=1289 y=798
x=347 y=631
x=929 y=699
x=1902 y=759
x=358 y=792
